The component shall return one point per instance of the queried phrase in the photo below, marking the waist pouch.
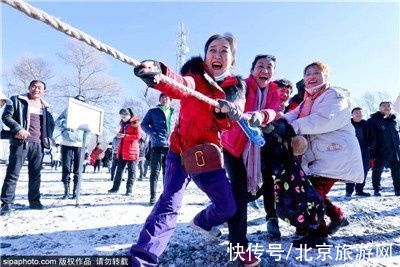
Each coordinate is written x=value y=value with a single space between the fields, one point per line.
x=202 y=158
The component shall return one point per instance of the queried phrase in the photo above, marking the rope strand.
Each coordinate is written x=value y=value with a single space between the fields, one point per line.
x=80 y=35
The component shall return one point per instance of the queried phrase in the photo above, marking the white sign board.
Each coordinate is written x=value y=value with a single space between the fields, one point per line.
x=84 y=116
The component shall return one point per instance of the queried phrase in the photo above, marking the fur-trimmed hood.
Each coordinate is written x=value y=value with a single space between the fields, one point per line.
x=195 y=65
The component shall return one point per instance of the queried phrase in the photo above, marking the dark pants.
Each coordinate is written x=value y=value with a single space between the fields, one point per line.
x=143 y=165
x=70 y=157
x=323 y=185
x=157 y=161
x=131 y=166
x=113 y=166
x=84 y=167
x=237 y=174
x=394 y=166
x=55 y=164
x=161 y=223
x=97 y=165
x=34 y=153
x=360 y=187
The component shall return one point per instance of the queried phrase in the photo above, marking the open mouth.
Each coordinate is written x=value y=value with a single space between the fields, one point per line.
x=312 y=83
x=263 y=78
x=216 y=66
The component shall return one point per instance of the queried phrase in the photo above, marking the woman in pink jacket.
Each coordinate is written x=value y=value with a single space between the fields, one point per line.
x=242 y=158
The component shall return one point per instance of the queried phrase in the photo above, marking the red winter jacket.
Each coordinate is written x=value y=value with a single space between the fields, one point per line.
x=128 y=147
x=198 y=122
x=235 y=140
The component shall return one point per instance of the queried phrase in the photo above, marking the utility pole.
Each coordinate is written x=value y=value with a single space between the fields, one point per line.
x=182 y=47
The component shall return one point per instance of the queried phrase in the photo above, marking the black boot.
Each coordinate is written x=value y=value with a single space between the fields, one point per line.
x=74 y=191
x=128 y=191
x=66 y=191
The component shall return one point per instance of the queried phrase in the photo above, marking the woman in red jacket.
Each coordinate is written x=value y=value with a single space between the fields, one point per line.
x=128 y=150
x=96 y=157
x=198 y=123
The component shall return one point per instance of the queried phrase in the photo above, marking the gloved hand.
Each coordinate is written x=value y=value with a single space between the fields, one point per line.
x=149 y=71
x=281 y=128
x=299 y=145
x=256 y=119
x=230 y=109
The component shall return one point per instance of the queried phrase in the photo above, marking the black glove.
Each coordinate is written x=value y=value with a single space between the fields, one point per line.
x=230 y=109
x=148 y=71
x=281 y=128
x=256 y=119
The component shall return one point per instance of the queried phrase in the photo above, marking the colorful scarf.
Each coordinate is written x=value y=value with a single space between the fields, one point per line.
x=252 y=153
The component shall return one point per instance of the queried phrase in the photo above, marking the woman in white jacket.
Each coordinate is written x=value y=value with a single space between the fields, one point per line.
x=333 y=152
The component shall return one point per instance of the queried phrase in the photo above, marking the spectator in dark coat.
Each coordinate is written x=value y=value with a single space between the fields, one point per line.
x=363 y=135
x=114 y=147
x=298 y=98
x=108 y=157
x=31 y=125
x=143 y=148
x=385 y=147
x=157 y=124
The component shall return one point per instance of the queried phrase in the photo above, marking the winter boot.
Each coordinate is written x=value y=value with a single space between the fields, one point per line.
x=334 y=226
x=128 y=191
x=36 y=205
x=74 y=191
x=66 y=191
x=5 y=209
x=273 y=229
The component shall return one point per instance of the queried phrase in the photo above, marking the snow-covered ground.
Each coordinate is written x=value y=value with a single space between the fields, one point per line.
x=107 y=224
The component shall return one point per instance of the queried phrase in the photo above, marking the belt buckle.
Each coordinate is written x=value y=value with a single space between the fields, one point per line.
x=199 y=158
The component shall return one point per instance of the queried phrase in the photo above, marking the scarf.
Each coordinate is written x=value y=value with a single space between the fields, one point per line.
x=223 y=75
x=252 y=154
x=310 y=95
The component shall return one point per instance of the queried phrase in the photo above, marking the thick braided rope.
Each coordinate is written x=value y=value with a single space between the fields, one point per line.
x=80 y=35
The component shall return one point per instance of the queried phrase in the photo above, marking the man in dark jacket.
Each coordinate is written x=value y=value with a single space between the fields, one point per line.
x=157 y=125
x=31 y=125
x=364 y=139
x=298 y=98
x=385 y=147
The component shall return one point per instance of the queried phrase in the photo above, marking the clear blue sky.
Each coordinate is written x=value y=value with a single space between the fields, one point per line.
x=359 y=40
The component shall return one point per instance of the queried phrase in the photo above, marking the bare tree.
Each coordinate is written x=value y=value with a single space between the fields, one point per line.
x=89 y=78
x=140 y=105
x=26 y=69
x=369 y=102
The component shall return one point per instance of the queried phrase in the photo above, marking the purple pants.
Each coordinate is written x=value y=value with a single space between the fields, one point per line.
x=161 y=222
